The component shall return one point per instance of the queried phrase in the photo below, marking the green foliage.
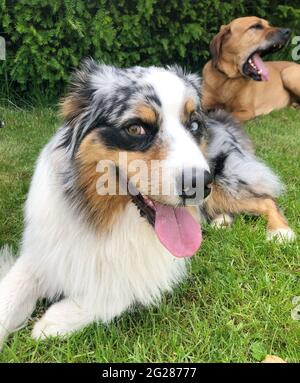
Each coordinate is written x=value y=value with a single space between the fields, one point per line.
x=258 y=352
x=46 y=39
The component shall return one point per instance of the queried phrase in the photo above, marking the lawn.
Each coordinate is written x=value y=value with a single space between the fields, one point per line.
x=235 y=305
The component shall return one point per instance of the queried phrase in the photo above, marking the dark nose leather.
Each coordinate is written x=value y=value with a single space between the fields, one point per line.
x=192 y=178
x=286 y=32
x=207 y=181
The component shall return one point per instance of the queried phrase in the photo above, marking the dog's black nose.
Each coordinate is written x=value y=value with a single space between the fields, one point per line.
x=286 y=32
x=207 y=181
x=191 y=182
x=188 y=183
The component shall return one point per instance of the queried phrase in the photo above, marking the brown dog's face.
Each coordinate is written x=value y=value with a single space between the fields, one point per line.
x=239 y=46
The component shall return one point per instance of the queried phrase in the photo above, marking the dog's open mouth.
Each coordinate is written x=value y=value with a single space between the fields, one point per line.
x=175 y=227
x=255 y=68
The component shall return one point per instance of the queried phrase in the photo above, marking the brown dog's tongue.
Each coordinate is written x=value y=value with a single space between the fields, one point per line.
x=261 y=66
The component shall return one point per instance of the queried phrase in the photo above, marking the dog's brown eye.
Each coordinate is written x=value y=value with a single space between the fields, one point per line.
x=257 y=26
x=136 y=130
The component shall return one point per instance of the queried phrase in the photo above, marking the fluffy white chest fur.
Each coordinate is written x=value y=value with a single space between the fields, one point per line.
x=101 y=275
x=105 y=272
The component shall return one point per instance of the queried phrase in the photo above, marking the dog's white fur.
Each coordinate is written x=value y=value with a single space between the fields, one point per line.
x=99 y=277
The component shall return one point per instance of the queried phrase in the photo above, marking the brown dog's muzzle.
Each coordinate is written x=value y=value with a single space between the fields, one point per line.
x=254 y=66
x=279 y=37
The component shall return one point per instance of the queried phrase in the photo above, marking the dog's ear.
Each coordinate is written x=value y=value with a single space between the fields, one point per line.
x=216 y=44
x=80 y=92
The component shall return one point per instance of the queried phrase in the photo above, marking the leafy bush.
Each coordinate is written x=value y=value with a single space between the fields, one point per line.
x=46 y=39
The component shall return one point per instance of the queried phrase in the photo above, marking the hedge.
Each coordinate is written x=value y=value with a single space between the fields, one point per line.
x=46 y=39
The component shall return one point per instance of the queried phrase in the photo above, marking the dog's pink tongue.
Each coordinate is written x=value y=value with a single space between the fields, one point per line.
x=177 y=230
x=261 y=66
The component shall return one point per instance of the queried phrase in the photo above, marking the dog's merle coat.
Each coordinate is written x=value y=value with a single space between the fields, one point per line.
x=230 y=153
x=233 y=163
x=108 y=94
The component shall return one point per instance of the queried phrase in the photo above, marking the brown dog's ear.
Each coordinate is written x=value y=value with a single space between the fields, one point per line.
x=216 y=44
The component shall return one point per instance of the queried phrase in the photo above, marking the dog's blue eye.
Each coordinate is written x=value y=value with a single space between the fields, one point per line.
x=194 y=127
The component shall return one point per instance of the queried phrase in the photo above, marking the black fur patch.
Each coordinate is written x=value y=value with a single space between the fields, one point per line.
x=218 y=163
x=118 y=138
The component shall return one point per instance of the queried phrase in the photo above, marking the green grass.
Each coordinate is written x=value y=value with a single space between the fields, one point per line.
x=235 y=306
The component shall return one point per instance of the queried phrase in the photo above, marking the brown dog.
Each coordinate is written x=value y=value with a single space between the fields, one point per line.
x=237 y=79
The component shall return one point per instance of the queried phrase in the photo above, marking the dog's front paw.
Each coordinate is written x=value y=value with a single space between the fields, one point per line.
x=222 y=221
x=281 y=235
x=44 y=329
x=3 y=335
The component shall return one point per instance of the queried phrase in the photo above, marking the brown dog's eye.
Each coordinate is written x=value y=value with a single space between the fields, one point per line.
x=257 y=26
x=136 y=130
